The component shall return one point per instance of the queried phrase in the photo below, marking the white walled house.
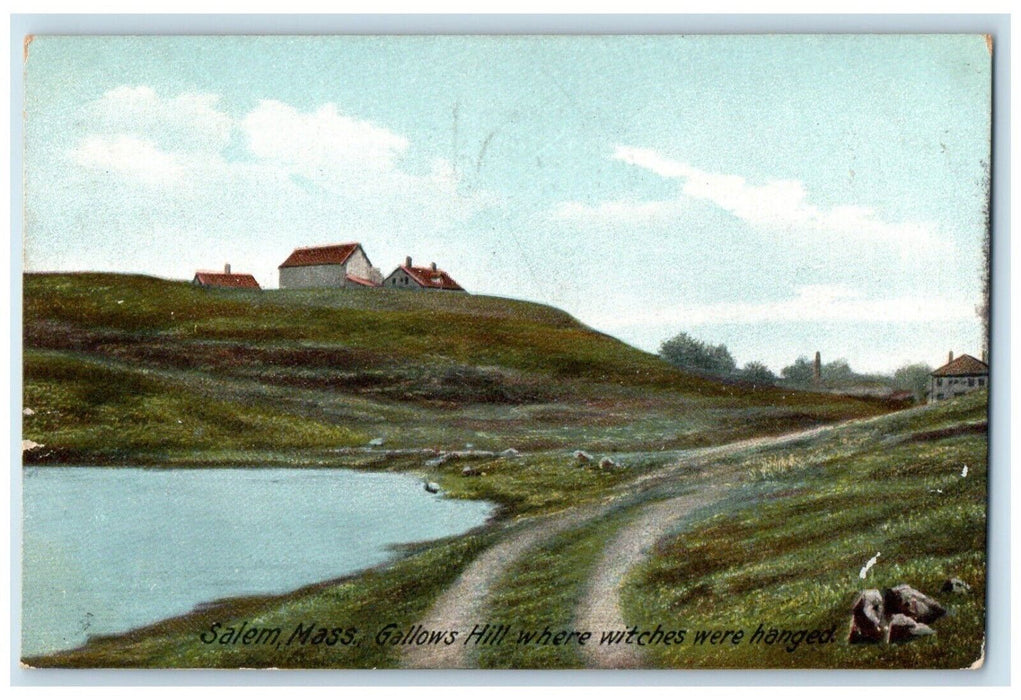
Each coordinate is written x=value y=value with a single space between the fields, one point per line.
x=332 y=266
x=407 y=276
x=958 y=377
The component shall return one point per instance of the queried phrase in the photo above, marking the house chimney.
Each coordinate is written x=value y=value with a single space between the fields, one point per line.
x=817 y=368
x=432 y=266
x=407 y=261
x=950 y=357
x=226 y=269
x=984 y=356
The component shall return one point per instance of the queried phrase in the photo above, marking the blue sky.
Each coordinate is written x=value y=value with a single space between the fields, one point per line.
x=780 y=194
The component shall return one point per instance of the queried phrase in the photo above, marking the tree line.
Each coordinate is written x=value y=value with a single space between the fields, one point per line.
x=693 y=355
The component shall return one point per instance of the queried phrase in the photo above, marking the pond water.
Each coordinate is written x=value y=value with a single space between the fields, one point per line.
x=106 y=550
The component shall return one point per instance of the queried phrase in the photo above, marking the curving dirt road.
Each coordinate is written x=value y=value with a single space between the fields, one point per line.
x=463 y=604
x=600 y=609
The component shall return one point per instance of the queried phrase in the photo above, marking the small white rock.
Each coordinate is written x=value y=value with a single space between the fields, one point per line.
x=27 y=445
x=607 y=463
x=28 y=412
x=376 y=442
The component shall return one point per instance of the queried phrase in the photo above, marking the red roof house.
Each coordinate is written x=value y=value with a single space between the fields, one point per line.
x=336 y=266
x=407 y=276
x=957 y=377
x=225 y=279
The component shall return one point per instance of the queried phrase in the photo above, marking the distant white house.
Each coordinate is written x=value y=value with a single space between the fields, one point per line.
x=332 y=266
x=958 y=377
x=407 y=276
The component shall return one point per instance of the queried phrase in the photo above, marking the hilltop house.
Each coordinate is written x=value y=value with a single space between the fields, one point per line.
x=334 y=266
x=407 y=276
x=958 y=377
x=225 y=279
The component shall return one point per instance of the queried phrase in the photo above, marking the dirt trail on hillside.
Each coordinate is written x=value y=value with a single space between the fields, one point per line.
x=463 y=604
x=683 y=459
x=600 y=609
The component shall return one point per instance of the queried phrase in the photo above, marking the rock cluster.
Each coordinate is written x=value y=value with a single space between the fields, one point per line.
x=444 y=457
x=584 y=459
x=896 y=614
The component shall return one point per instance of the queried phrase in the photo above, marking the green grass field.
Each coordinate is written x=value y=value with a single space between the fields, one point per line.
x=791 y=558
x=122 y=369
x=131 y=370
x=783 y=550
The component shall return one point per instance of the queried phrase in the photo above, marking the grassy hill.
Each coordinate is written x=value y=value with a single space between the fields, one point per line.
x=911 y=488
x=785 y=549
x=134 y=369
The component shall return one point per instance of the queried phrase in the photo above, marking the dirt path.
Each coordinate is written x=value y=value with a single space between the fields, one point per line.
x=683 y=459
x=463 y=604
x=600 y=609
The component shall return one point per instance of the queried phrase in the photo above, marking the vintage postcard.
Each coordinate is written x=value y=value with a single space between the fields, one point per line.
x=505 y=352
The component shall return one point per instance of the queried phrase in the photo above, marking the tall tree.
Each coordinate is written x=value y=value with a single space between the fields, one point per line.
x=913 y=378
x=692 y=354
x=758 y=373
x=799 y=372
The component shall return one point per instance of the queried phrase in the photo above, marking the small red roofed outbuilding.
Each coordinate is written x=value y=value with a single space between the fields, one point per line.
x=225 y=279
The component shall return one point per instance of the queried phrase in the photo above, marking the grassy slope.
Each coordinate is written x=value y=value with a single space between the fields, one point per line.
x=785 y=550
x=122 y=367
x=791 y=560
x=128 y=369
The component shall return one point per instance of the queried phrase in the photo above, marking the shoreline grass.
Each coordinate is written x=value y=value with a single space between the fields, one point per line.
x=408 y=585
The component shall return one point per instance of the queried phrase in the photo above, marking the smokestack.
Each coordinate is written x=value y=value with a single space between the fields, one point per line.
x=817 y=368
x=432 y=266
x=950 y=357
x=226 y=268
x=407 y=261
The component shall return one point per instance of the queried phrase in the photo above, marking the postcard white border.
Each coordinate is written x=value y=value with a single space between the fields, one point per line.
x=996 y=670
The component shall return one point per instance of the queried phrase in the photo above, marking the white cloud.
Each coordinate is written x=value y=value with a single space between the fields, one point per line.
x=188 y=122
x=358 y=164
x=618 y=211
x=308 y=178
x=810 y=303
x=129 y=156
x=783 y=205
x=320 y=144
